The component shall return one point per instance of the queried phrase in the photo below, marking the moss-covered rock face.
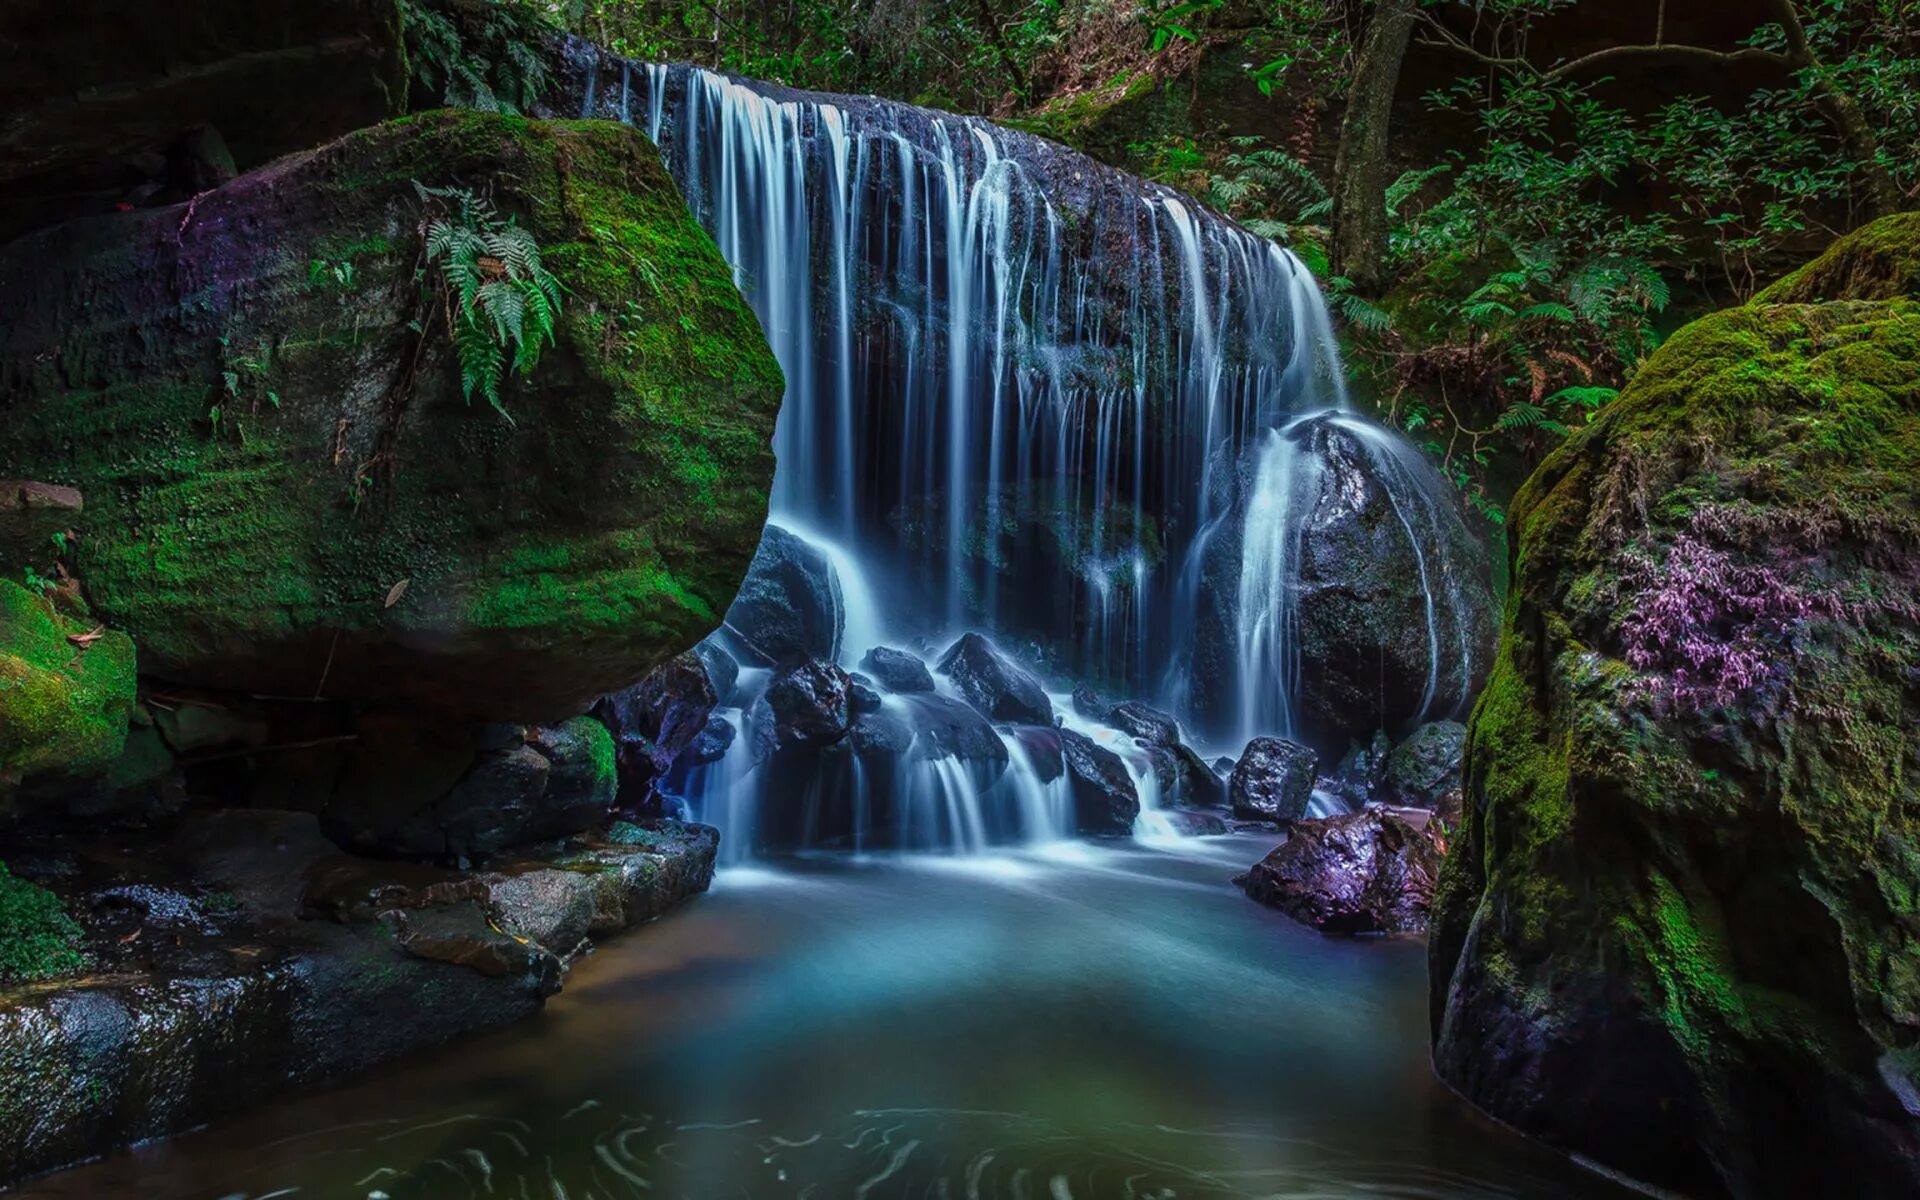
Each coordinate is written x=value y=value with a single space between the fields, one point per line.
x=269 y=443
x=66 y=692
x=1680 y=933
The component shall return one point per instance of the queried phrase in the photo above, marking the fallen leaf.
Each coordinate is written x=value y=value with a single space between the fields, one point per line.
x=396 y=591
x=84 y=640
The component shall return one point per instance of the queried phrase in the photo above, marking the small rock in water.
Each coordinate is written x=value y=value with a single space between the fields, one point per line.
x=1104 y=799
x=896 y=670
x=994 y=684
x=1273 y=780
x=1367 y=872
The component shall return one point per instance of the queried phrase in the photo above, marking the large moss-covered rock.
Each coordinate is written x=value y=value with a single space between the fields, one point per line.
x=262 y=407
x=107 y=99
x=1680 y=934
x=66 y=692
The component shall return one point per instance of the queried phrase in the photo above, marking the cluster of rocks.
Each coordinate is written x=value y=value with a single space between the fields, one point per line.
x=242 y=953
x=1370 y=869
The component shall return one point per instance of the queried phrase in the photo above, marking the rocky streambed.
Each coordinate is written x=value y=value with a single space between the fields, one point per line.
x=244 y=955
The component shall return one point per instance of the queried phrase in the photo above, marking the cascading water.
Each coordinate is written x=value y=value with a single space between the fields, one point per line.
x=1025 y=393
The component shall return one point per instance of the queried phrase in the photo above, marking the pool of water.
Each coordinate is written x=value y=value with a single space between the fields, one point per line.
x=1087 y=1022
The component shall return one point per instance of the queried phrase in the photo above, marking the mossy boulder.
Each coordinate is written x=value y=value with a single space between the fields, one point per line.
x=66 y=693
x=1680 y=931
x=257 y=396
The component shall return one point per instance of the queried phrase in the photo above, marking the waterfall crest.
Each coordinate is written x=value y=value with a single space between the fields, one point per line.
x=1025 y=393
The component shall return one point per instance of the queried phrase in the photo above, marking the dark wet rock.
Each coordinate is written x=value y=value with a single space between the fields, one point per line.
x=1091 y=704
x=1362 y=621
x=881 y=734
x=994 y=684
x=1273 y=780
x=1145 y=723
x=582 y=782
x=1676 y=934
x=656 y=720
x=897 y=670
x=552 y=907
x=788 y=609
x=723 y=671
x=1184 y=777
x=1223 y=767
x=247 y=958
x=1105 y=802
x=716 y=738
x=418 y=790
x=544 y=562
x=1423 y=771
x=1357 y=777
x=861 y=695
x=1370 y=871
x=945 y=727
x=1041 y=743
x=806 y=707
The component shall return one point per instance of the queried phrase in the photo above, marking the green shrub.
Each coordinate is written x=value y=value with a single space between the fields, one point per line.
x=38 y=940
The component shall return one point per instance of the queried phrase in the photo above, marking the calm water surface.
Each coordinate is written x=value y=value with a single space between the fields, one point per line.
x=1095 y=1023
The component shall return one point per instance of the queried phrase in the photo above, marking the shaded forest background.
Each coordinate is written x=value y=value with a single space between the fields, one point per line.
x=1509 y=202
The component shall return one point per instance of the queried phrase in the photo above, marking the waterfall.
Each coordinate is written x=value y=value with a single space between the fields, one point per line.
x=1025 y=393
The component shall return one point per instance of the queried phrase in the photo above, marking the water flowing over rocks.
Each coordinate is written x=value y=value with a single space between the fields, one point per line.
x=1355 y=598
x=1023 y=390
x=897 y=671
x=1105 y=801
x=1370 y=871
x=788 y=609
x=994 y=684
x=1677 y=933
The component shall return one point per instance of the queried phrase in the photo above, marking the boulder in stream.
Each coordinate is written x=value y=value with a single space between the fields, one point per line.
x=1105 y=802
x=1273 y=781
x=1370 y=871
x=897 y=670
x=788 y=610
x=994 y=683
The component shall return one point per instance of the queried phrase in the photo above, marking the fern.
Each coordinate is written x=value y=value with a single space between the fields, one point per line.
x=500 y=298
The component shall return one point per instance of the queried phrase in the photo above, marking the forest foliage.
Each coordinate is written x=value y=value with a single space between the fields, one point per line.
x=1499 y=284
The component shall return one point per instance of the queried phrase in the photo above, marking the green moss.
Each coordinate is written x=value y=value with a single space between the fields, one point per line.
x=63 y=706
x=1880 y=261
x=611 y=523
x=38 y=940
x=1733 y=888
x=599 y=751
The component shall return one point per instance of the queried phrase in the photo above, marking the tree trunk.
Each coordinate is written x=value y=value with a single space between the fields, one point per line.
x=1879 y=195
x=1360 y=168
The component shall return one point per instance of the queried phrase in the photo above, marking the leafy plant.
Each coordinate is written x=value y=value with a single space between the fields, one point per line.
x=500 y=301
x=501 y=70
x=38 y=940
